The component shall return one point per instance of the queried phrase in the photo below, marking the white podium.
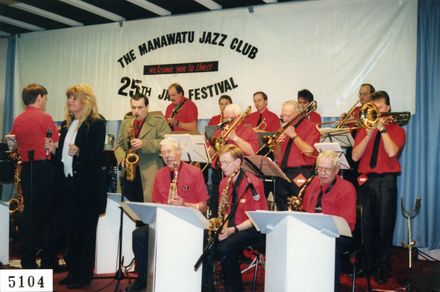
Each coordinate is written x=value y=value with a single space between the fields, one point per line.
x=107 y=237
x=175 y=243
x=300 y=249
x=4 y=233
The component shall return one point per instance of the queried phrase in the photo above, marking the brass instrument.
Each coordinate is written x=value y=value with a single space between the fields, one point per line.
x=216 y=222
x=342 y=122
x=16 y=202
x=270 y=141
x=132 y=158
x=172 y=193
x=261 y=127
x=294 y=203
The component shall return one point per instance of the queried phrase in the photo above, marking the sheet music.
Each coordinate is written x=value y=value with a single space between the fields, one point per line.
x=193 y=147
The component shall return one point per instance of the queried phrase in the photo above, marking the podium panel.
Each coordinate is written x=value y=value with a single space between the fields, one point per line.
x=107 y=237
x=4 y=233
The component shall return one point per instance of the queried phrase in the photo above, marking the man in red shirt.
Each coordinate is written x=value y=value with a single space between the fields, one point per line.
x=262 y=119
x=330 y=194
x=189 y=191
x=182 y=113
x=34 y=130
x=223 y=101
x=305 y=97
x=294 y=153
x=378 y=151
x=240 y=192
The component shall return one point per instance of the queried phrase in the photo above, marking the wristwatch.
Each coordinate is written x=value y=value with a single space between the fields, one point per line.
x=384 y=130
x=236 y=229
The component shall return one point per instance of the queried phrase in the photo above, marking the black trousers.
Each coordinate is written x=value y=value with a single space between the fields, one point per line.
x=38 y=211
x=215 y=174
x=133 y=190
x=228 y=253
x=378 y=197
x=286 y=189
x=140 y=250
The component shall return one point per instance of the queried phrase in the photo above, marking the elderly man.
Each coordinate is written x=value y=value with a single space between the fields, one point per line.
x=294 y=152
x=187 y=188
x=330 y=194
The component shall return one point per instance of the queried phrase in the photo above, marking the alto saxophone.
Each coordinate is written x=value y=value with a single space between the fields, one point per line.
x=17 y=202
x=132 y=158
x=172 y=193
x=294 y=203
x=216 y=222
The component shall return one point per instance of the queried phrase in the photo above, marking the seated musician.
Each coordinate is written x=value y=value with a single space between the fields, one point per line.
x=223 y=101
x=294 y=152
x=240 y=192
x=262 y=119
x=305 y=97
x=179 y=184
x=330 y=194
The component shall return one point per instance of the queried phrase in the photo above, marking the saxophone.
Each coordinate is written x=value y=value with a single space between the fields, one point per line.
x=132 y=158
x=17 y=202
x=172 y=193
x=294 y=203
x=215 y=223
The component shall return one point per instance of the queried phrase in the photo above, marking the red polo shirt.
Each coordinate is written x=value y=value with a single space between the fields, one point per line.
x=271 y=120
x=306 y=131
x=187 y=113
x=246 y=201
x=215 y=120
x=246 y=133
x=30 y=129
x=384 y=163
x=190 y=184
x=339 y=201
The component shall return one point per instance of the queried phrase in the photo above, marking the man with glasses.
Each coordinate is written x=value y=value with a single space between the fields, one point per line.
x=245 y=192
x=190 y=192
x=294 y=153
x=330 y=194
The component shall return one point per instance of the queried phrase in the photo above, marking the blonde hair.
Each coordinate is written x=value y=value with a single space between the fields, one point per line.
x=84 y=93
x=332 y=155
x=233 y=107
x=232 y=149
x=292 y=103
x=171 y=142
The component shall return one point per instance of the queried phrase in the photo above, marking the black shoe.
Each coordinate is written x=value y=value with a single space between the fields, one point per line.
x=66 y=280
x=78 y=284
x=139 y=285
x=381 y=276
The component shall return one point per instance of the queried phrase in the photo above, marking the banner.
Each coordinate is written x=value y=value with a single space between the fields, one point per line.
x=329 y=47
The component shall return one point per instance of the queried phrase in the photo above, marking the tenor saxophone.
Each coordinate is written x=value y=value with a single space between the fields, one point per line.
x=216 y=222
x=132 y=158
x=294 y=203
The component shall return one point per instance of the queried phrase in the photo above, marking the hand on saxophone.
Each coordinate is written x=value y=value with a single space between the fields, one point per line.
x=225 y=233
x=176 y=201
x=136 y=143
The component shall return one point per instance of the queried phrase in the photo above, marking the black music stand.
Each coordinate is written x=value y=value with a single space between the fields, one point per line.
x=330 y=135
x=334 y=146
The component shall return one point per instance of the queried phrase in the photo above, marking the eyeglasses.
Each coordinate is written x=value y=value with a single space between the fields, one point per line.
x=324 y=169
x=225 y=163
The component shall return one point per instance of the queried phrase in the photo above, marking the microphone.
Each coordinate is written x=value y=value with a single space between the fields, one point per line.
x=48 y=136
x=255 y=195
x=225 y=121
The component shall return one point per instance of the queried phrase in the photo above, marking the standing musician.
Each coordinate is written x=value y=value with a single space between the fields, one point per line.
x=244 y=192
x=141 y=133
x=294 y=152
x=330 y=194
x=182 y=113
x=33 y=129
x=262 y=119
x=365 y=92
x=378 y=151
x=223 y=101
x=305 y=97
x=179 y=184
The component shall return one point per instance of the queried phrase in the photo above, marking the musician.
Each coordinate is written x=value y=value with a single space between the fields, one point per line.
x=83 y=193
x=223 y=101
x=245 y=193
x=330 y=194
x=182 y=113
x=147 y=131
x=262 y=119
x=31 y=129
x=191 y=192
x=365 y=92
x=305 y=97
x=294 y=152
x=378 y=153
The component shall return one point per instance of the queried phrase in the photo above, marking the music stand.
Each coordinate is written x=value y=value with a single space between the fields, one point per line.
x=330 y=135
x=210 y=130
x=193 y=147
x=334 y=146
x=260 y=136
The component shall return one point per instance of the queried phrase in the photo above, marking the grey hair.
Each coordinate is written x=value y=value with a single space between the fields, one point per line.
x=292 y=103
x=334 y=157
x=235 y=108
x=171 y=142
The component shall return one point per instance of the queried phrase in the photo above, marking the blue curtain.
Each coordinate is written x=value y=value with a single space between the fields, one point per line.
x=9 y=84
x=421 y=156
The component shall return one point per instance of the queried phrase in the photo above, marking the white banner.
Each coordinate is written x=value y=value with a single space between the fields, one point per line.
x=329 y=47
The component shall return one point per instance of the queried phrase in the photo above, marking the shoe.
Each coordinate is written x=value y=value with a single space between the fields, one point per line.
x=66 y=280
x=139 y=285
x=381 y=276
x=78 y=284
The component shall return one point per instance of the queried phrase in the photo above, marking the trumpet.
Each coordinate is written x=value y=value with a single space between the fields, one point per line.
x=270 y=141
